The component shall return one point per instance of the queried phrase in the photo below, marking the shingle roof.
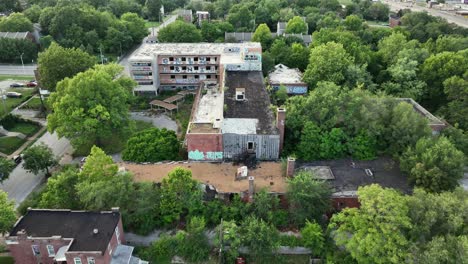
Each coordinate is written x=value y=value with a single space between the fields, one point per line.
x=78 y=225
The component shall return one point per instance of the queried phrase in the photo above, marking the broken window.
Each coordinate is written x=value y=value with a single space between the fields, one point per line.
x=250 y=145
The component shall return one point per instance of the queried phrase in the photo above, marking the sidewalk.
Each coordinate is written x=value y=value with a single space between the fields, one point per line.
x=27 y=143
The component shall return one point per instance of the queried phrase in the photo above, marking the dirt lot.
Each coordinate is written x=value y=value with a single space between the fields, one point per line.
x=221 y=175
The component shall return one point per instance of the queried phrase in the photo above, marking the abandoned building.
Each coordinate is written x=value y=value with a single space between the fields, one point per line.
x=435 y=123
x=235 y=122
x=202 y=16
x=289 y=78
x=247 y=37
x=170 y=66
x=63 y=236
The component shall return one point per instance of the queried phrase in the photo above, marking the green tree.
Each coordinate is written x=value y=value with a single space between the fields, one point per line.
x=353 y=23
x=135 y=26
x=309 y=144
x=6 y=167
x=404 y=81
x=179 y=194
x=16 y=22
x=241 y=18
x=451 y=43
x=375 y=232
x=309 y=198
x=214 y=31
x=264 y=204
x=179 y=31
x=153 y=8
x=390 y=46
x=363 y=146
x=313 y=238
x=458 y=137
x=456 y=111
x=120 y=7
x=433 y=164
x=328 y=62
x=152 y=145
x=332 y=144
x=296 y=25
x=268 y=63
x=436 y=69
x=263 y=35
x=377 y=11
x=299 y=57
x=230 y=236
x=12 y=49
x=281 y=94
x=143 y=212
x=7 y=5
x=405 y=128
x=260 y=238
x=8 y=216
x=60 y=192
x=92 y=108
x=57 y=63
x=39 y=158
x=33 y=13
x=101 y=186
x=445 y=249
x=194 y=246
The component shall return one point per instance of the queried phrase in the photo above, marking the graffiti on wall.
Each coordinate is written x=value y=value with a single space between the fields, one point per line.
x=209 y=155
x=293 y=89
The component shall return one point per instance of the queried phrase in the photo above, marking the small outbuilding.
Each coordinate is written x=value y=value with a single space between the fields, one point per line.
x=290 y=78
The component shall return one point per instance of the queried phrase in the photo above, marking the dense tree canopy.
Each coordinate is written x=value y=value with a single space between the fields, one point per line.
x=296 y=25
x=16 y=22
x=6 y=167
x=152 y=145
x=180 y=31
x=263 y=35
x=7 y=216
x=14 y=49
x=433 y=164
x=56 y=63
x=92 y=108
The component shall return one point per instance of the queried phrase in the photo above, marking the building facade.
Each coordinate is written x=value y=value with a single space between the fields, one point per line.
x=170 y=66
x=70 y=237
x=290 y=78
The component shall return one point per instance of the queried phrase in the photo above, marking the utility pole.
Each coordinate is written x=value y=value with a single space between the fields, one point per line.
x=102 y=57
x=4 y=105
x=22 y=63
x=220 y=242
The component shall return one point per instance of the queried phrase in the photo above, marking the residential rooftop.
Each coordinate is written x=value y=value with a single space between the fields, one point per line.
x=347 y=175
x=78 y=225
x=148 y=50
x=282 y=74
x=256 y=104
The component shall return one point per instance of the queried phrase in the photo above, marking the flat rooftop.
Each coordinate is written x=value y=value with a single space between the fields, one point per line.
x=245 y=126
x=256 y=104
x=350 y=174
x=220 y=175
x=285 y=75
x=148 y=50
x=210 y=107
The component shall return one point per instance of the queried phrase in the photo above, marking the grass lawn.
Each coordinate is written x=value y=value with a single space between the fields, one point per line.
x=345 y=2
x=142 y=125
x=8 y=145
x=6 y=260
x=182 y=116
x=16 y=77
x=11 y=103
x=150 y=24
x=27 y=129
x=35 y=104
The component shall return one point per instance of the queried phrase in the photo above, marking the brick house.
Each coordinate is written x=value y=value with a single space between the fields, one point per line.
x=70 y=237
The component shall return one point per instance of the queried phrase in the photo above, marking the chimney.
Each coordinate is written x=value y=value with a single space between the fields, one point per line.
x=290 y=166
x=22 y=235
x=251 y=188
x=280 y=119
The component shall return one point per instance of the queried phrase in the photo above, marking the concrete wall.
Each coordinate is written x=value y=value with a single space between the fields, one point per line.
x=266 y=146
x=205 y=147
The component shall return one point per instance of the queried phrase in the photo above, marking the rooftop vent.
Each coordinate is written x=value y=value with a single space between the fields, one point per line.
x=240 y=94
x=95 y=231
x=369 y=173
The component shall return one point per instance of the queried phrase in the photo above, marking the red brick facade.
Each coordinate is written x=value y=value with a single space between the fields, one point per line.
x=22 y=251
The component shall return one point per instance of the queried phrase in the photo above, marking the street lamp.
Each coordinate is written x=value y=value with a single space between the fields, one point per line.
x=22 y=63
x=102 y=57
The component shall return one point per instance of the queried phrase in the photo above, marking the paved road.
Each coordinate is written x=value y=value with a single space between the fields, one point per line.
x=21 y=183
x=450 y=16
x=124 y=60
x=15 y=69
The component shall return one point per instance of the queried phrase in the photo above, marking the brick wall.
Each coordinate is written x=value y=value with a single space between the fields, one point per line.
x=205 y=146
x=23 y=253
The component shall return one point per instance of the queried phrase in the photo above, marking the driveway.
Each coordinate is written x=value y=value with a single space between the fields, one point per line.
x=159 y=121
x=21 y=183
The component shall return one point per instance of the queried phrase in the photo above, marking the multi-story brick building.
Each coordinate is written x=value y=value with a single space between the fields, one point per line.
x=70 y=237
x=170 y=66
